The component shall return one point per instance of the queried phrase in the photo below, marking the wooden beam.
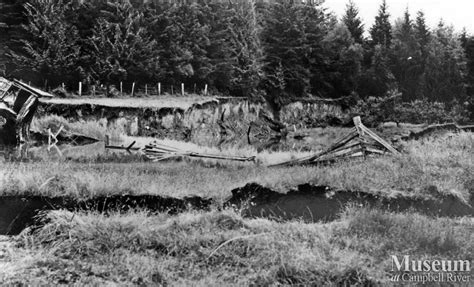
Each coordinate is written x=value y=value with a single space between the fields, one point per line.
x=379 y=140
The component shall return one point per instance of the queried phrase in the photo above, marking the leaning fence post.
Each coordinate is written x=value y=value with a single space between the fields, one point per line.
x=80 y=89
x=159 y=89
x=146 y=90
x=93 y=90
x=357 y=123
x=133 y=89
x=121 y=88
x=205 y=90
x=182 y=89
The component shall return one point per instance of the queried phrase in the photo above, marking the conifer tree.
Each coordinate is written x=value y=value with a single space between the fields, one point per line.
x=353 y=22
x=405 y=58
x=12 y=17
x=446 y=69
x=467 y=42
x=122 y=49
x=52 y=49
x=345 y=58
x=381 y=31
x=421 y=30
x=294 y=56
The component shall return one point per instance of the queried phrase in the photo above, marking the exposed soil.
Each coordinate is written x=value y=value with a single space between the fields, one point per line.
x=308 y=203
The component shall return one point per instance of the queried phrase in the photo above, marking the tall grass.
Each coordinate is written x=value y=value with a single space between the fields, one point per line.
x=222 y=248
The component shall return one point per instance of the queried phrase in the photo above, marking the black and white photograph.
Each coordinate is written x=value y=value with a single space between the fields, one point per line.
x=236 y=143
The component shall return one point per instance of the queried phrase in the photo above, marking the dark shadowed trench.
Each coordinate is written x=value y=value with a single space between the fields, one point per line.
x=308 y=203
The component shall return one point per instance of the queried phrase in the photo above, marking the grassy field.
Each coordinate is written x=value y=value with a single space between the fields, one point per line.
x=221 y=247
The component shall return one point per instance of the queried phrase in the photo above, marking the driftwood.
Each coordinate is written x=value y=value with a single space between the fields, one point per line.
x=360 y=141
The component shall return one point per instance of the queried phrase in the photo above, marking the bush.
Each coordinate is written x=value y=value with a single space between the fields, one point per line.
x=376 y=110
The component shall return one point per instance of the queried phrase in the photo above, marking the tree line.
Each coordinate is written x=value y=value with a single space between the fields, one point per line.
x=280 y=50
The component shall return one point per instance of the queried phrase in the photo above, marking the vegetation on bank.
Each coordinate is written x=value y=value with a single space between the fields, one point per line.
x=221 y=248
x=281 y=50
x=441 y=165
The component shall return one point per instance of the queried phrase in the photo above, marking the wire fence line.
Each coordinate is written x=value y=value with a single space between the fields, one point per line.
x=130 y=89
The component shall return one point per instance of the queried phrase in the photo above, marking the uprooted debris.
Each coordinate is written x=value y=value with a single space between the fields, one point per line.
x=360 y=141
x=430 y=130
x=18 y=104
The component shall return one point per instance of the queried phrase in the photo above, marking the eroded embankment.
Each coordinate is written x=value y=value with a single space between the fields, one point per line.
x=307 y=202
x=151 y=118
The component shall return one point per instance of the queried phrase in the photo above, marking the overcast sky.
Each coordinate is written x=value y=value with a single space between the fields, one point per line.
x=459 y=13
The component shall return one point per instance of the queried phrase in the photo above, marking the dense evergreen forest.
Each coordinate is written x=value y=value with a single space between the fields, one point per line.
x=278 y=50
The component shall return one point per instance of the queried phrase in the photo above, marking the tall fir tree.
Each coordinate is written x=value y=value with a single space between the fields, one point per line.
x=13 y=16
x=51 y=50
x=381 y=31
x=183 y=37
x=344 y=61
x=421 y=31
x=353 y=22
x=405 y=58
x=292 y=39
x=122 y=49
x=446 y=69
x=423 y=37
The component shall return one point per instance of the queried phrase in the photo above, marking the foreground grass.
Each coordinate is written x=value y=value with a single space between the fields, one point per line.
x=436 y=166
x=222 y=248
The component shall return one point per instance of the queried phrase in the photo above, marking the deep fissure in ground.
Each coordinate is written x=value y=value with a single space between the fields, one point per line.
x=307 y=202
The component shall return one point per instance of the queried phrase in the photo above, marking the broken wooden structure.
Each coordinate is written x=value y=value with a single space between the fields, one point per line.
x=359 y=142
x=18 y=104
x=158 y=152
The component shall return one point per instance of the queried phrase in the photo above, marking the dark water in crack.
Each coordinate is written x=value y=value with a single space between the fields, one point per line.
x=320 y=203
x=308 y=203
x=16 y=213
